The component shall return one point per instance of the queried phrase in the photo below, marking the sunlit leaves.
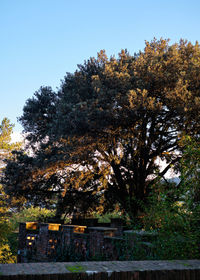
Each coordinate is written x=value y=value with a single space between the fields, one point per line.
x=110 y=120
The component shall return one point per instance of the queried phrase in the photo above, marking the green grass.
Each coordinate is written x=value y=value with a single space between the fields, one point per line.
x=76 y=268
x=185 y=264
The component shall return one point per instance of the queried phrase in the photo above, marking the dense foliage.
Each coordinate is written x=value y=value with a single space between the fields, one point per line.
x=12 y=210
x=171 y=220
x=7 y=203
x=172 y=212
x=96 y=140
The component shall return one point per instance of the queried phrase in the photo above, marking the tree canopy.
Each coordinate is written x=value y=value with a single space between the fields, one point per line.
x=98 y=137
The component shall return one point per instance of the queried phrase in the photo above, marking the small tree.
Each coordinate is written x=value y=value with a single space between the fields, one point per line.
x=6 y=202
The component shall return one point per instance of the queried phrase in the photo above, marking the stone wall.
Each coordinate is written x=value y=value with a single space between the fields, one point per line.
x=115 y=270
x=46 y=242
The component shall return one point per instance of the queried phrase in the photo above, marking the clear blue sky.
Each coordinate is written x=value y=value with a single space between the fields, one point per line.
x=41 y=40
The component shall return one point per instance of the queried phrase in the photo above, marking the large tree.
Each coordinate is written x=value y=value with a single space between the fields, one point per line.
x=100 y=135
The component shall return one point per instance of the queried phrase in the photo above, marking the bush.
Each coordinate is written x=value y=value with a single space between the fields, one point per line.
x=6 y=255
x=177 y=226
x=31 y=214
